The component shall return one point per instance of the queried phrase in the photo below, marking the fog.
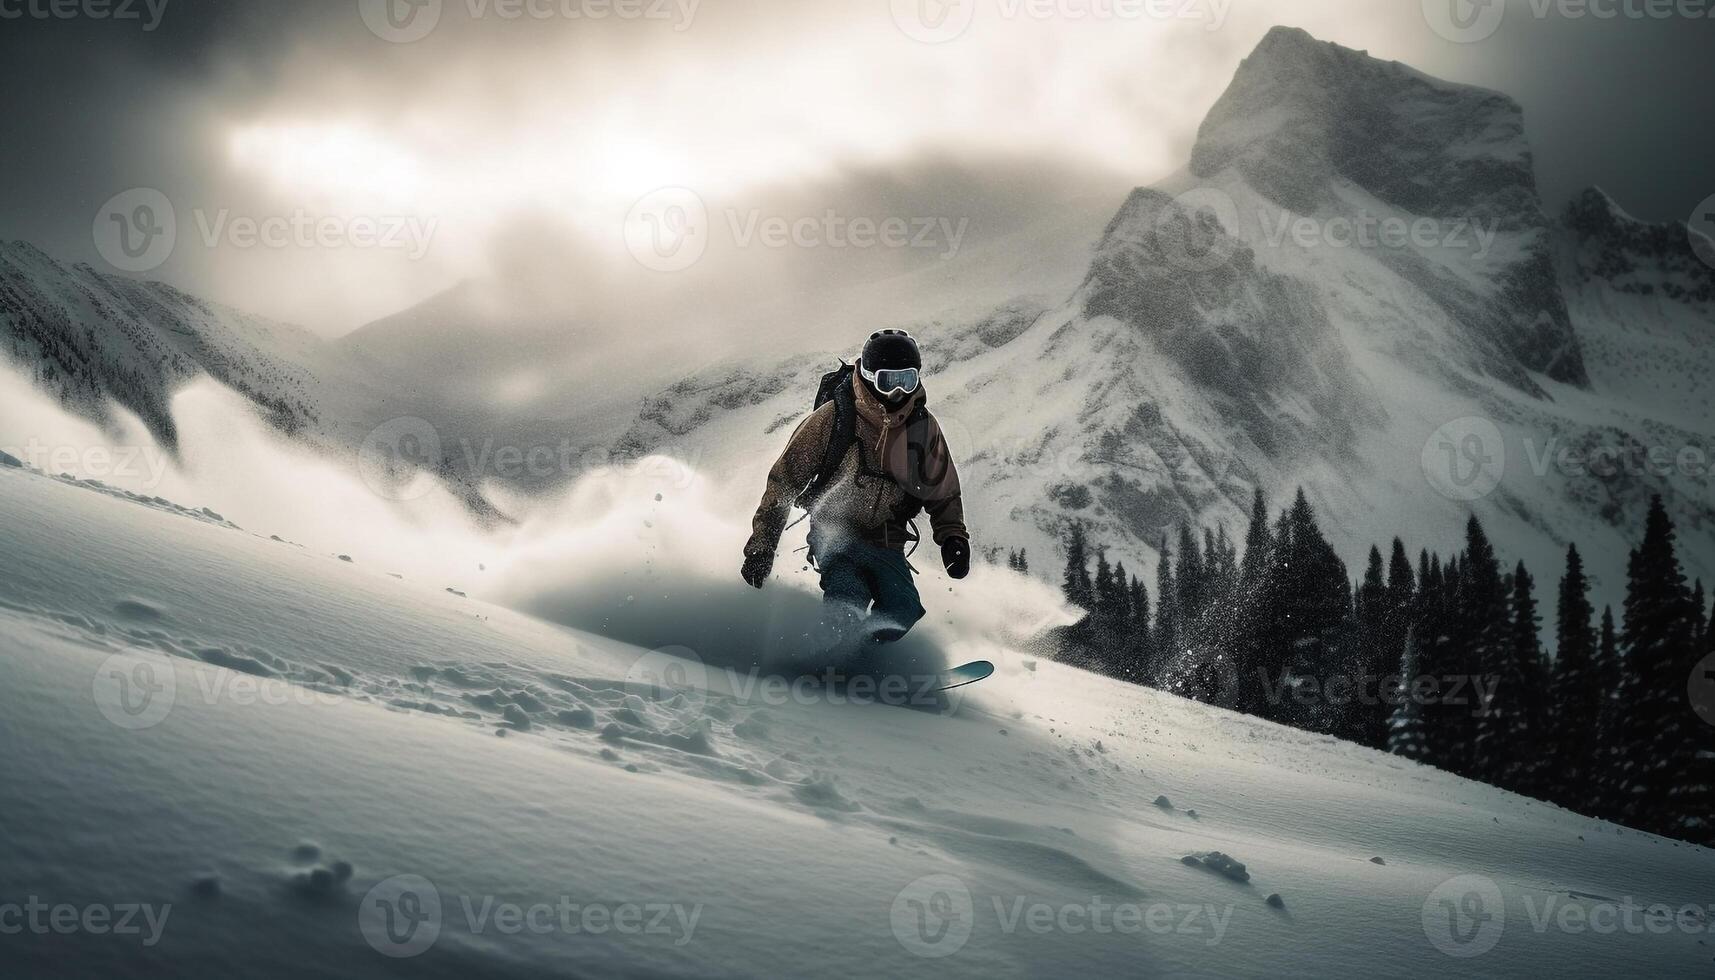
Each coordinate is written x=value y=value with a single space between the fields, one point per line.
x=518 y=138
x=647 y=553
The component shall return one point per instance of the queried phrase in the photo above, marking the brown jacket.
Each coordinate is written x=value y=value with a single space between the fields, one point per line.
x=891 y=471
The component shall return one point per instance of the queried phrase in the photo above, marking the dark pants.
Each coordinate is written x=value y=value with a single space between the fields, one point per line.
x=867 y=591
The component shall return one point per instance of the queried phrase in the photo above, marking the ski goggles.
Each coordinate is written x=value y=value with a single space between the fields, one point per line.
x=892 y=382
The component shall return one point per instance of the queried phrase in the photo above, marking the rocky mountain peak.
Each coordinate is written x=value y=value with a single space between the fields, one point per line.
x=1635 y=256
x=1300 y=112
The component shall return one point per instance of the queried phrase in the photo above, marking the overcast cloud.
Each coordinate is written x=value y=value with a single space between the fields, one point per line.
x=546 y=127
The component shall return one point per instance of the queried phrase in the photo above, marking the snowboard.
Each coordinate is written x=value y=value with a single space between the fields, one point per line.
x=963 y=674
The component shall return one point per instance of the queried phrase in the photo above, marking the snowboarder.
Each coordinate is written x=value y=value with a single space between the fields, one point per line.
x=863 y=464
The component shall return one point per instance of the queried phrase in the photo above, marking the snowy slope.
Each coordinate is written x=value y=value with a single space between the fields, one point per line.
x=101 y=340
x=316 y=729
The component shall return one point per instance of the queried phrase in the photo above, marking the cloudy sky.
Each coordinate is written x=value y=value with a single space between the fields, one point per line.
x=448 y=139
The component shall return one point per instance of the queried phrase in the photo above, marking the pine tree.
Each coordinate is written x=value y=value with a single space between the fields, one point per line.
x=1252 y=602
x=1106 y=597
x=1140 y=644
x=1275 y=644
x=1313 y=605
x=1520 y=702
x=1368 y=717
x=1699 y=623
x=1401 y=600
x=1190 y=577
x=1258 y=545
x=1406 y=736
x=1428 y=632
x=1024 y=561
x=1607 y=785
x=1167 y=652
x=1076 y=584
x=1577 y=692
x=1481 y=637
x=1708 y=644
x=1666 y=772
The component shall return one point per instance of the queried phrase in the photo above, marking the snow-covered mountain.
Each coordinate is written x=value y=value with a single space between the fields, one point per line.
x=1354 y=273
x=1353 y=286
x=96 y=340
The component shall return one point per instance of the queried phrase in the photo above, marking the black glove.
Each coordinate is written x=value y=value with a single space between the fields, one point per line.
x=956 y=555
x=756 y=569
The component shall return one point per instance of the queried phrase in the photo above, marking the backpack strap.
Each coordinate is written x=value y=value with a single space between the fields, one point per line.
x=840 y=438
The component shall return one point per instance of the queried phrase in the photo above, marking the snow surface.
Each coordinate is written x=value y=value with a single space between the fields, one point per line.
x=318 y=728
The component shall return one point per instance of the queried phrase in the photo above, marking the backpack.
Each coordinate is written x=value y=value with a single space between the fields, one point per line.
x=836 y=387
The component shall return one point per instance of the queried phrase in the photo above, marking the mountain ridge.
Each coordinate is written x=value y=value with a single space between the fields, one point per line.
x=1220 y=341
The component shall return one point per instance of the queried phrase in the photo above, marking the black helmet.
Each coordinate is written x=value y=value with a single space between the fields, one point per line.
x=891 y=350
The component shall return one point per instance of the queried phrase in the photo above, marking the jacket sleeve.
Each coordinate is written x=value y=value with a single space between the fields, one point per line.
x=943 y=499
x=947 y=518
x=794 y=470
